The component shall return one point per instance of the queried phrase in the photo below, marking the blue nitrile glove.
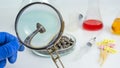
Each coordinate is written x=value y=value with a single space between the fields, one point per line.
x=9 y=45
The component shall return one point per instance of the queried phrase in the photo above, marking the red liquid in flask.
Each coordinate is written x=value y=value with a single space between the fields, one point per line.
x=92 y=24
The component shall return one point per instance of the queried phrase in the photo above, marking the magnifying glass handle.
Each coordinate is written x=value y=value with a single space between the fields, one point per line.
x=55 y=57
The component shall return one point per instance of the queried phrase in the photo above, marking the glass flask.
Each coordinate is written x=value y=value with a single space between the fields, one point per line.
x=93 y=20
x=116 y=25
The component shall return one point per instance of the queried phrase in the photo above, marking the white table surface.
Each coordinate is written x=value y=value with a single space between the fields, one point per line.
x=108 y=8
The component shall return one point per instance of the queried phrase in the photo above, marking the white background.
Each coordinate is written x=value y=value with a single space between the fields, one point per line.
x=69 y=10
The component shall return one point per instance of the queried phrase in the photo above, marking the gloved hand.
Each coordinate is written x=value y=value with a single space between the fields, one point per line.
x=9 y=45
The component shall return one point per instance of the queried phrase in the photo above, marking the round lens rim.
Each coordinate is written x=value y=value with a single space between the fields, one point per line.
x=55 y=39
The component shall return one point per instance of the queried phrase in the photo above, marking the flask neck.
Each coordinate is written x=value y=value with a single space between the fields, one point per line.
x=93 y=11
x=93 y=3
x=118 y=14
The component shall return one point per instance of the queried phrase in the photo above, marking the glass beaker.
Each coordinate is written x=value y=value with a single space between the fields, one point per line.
x=93 y=20
x=116 y=25
x=74 y=18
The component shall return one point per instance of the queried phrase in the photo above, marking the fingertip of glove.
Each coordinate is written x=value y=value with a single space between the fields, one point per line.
x=21 y=48
x=2 y=63
x=13 y=58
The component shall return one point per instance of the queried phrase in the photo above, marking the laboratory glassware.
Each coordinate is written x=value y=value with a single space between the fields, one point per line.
x=74 y=17
x=65 y=46
x=93 y=20
x=116 y=25
x=86 y=48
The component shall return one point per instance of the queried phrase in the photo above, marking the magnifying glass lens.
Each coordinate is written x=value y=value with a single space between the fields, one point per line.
x=35 y=18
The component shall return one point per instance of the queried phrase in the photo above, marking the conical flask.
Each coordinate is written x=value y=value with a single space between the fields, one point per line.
x=93 y=20
x=116 y=25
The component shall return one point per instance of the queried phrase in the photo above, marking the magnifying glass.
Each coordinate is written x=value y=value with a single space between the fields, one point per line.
x=39 y=26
